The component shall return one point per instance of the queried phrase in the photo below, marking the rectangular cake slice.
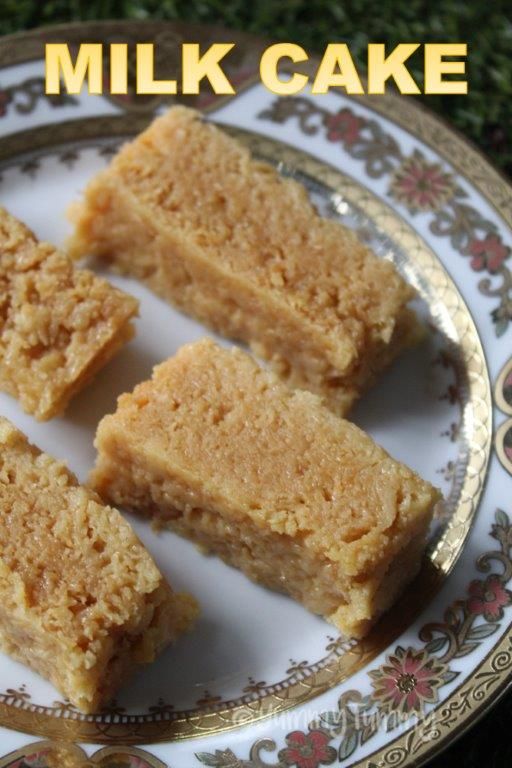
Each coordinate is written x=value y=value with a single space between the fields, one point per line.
x=270 y=479
x=81 y=600
x=185 y=208
x=58 y=325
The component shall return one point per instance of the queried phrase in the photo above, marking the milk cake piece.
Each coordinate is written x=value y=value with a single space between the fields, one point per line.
x=81 y=600
x=269 y=479
x=224 y=237
x=58 y=325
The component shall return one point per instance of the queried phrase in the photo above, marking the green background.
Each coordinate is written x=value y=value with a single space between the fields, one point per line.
x=484 y=115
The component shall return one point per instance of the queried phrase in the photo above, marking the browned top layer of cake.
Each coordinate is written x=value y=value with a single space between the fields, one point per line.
x=66 y=560
x=257 y=448
x=250 y=221
x=54 y=319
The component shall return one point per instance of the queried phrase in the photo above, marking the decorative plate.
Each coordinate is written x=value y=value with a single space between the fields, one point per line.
x=261 y=682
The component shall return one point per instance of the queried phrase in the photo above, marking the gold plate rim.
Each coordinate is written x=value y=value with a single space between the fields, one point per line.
x=37 y=720
x=494 y=186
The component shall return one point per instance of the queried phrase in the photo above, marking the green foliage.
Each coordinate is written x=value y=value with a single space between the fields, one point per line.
x=484 y=115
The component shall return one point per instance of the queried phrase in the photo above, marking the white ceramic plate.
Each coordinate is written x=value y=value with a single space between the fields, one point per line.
x=260 y=681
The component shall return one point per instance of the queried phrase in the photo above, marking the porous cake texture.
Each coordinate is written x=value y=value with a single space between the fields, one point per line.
x=269 y=479
x=185 y=208
x=81 y=600
x=58 y=325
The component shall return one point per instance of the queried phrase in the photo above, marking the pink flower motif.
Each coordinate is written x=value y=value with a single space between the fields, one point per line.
x=4 y=101
x=421 y=186
x=307 y=750
x=409 y=680
x=138 y=762
x=488 y=598
x=36 y=760
x=507 y=388
x=487 y=254
x=507 y=444
x=344 y=126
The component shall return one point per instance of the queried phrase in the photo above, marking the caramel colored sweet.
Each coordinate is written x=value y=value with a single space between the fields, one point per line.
x=269 y=479
x=82 y=601
x=185 y=208
x=58 y=325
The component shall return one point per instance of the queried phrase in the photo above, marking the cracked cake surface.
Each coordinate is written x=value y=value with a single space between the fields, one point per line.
x=185 y=208
x=82 y=601
x=302 y=501
x=58 y=324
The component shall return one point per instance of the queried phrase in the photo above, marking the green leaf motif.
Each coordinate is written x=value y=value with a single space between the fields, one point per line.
x=501 y=326
x=450 y=676
x=436 y=645
x=221 y=759
x=502 y=518
x=465 y=650
x=482 y=631
x=349 y=745
x=207 y=759
x=332 y=718
x=370 y=730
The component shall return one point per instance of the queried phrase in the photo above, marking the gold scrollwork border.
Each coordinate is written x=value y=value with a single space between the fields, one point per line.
x=65 y=755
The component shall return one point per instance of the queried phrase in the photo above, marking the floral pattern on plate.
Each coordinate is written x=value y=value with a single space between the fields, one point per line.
x=414 y=680
x=420 y=186
x=407 y=683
